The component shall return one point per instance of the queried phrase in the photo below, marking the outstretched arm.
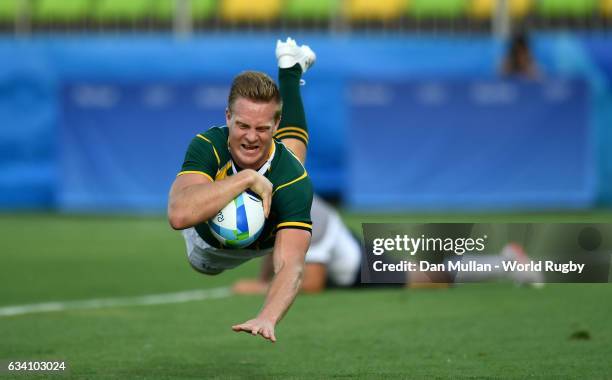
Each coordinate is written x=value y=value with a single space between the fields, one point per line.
x=313 y=280
x=289 y=250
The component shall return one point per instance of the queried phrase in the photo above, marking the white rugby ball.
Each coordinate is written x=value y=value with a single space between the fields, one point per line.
x=239 y=223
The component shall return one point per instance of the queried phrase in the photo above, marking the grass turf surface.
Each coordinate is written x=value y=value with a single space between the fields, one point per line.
x=485 y=330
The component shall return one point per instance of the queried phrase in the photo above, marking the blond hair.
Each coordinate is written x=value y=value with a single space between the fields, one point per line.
x=255 y=86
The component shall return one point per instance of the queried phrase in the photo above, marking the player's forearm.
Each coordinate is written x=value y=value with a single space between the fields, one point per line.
x=197 y=203
x=283 y=290
x=266 y=272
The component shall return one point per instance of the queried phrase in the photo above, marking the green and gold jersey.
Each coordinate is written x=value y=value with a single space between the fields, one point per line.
x=208 y=155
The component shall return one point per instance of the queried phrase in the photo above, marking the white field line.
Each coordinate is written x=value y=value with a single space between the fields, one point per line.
x=150 y=299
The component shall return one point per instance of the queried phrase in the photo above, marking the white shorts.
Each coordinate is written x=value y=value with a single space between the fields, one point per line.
x=338 y=250
x=210 y=260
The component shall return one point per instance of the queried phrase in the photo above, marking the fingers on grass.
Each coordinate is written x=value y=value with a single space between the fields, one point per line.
x=242 y=327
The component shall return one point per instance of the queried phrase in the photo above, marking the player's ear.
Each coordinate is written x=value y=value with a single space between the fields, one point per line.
x=277 y=117
x=228 y=116
x=276 y=124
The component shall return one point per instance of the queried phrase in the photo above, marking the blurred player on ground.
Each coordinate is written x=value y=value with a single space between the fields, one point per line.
x=335 y=257
x=223 y=162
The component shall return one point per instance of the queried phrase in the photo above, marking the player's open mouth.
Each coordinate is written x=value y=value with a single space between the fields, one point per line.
x=249 y=147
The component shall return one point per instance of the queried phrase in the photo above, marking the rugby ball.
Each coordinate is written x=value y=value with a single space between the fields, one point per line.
x=240 y=222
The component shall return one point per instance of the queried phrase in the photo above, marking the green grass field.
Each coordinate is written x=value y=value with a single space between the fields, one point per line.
x=476 y=331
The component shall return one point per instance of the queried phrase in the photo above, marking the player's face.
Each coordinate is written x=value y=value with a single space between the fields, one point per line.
x=251 y=126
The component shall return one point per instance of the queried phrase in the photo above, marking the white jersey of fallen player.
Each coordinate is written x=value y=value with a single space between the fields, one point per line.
x=333 y=245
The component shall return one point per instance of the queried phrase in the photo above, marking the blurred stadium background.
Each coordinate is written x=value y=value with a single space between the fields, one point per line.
x=410 y=120
x=101 y=96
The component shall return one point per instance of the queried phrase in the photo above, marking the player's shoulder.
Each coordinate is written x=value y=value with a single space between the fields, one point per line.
x=215 y=135
x=214 y=139
x=287 y=161
x=287 y=169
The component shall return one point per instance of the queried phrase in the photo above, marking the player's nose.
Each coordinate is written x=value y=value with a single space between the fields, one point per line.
x=251 y=136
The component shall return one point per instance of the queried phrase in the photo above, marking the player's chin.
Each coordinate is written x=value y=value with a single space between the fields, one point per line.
x=249 y=157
